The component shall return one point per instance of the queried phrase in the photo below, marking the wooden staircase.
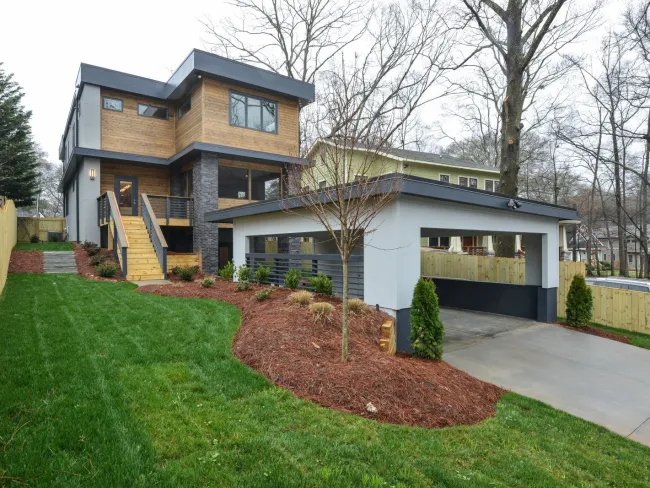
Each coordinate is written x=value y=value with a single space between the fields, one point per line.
x=143 y=264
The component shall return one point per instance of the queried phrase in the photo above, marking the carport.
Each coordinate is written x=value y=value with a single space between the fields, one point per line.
x=390 y=256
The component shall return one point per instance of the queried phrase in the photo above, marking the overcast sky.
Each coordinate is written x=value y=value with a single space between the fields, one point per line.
x=43 y=42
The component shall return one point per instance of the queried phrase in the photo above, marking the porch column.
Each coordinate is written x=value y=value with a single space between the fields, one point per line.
x=206 y=199
x=517 y=244
x=542 y=271
x=456 y=244
x=488 y=245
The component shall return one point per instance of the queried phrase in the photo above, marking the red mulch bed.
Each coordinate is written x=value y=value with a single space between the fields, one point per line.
x=26 y=261
x=597 y=332
x=86 y=270
x=284 y=344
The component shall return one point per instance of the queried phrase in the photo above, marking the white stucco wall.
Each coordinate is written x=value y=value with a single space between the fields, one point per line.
x=88 y=193
x=71 y=218
x=90 y=117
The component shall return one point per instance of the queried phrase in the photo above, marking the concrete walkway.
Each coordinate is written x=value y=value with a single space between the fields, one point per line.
x=600 y=380
x=59 y=262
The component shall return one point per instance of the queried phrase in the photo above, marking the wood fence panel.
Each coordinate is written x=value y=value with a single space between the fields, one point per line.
x=473 y=268
x=30 y=226
x=8 y=229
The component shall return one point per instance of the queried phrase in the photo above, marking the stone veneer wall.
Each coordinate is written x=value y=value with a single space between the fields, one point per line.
x=206 y=196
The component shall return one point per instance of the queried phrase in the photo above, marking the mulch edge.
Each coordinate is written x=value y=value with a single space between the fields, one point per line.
x=26 y=261
x=613 y=336
x=86 y=270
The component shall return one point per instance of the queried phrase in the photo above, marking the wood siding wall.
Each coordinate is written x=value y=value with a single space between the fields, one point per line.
x=217 y=128
x=190 y=127
x=153 y=181
x=129 y=132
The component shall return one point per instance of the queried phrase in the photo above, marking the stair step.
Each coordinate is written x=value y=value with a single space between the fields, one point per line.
x=149 y=261
x=138 y=240
x=145 y=277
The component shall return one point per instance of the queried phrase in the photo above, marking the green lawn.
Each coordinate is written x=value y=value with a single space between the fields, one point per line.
x=636 y=338
x=45 y=246
x=101 y=386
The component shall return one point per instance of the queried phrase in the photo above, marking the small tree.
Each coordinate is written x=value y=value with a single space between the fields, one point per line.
x=579 y=303
x=427 y=330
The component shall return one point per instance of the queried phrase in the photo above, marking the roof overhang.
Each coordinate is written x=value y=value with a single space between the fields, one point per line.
x=412 y=186
x=191 y=151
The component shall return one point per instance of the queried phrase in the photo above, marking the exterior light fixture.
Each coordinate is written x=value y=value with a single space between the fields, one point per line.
x=91 y=173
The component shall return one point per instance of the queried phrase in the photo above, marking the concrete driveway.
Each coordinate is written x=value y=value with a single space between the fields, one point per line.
x=600 y=380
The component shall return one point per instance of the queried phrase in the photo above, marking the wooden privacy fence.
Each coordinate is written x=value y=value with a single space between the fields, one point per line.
x=473 y=268
x=7 y=237
x=30 y=226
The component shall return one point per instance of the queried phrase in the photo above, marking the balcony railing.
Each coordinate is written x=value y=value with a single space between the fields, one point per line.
x=170 y=208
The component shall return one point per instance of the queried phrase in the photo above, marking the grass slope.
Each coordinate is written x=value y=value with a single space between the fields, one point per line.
x=100 y=386
x=636 y=338
x=44 y=246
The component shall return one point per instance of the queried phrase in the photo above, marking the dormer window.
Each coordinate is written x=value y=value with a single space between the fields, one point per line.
x=253 y=112
x=152 y=111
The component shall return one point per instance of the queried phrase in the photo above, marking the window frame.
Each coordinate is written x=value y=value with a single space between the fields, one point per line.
x=178 y=110
x=440 y=175
x=105 y=97
x=262 y=100
x=460 y=184
x=469 y=183
x=137 y=111
x=494 y=184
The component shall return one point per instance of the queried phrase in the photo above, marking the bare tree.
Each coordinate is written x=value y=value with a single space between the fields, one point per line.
x=525 y=37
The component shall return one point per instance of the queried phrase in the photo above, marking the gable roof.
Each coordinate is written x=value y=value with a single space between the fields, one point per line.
x=421 y=157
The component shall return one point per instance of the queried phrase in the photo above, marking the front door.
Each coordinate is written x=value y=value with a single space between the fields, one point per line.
x=126 y=193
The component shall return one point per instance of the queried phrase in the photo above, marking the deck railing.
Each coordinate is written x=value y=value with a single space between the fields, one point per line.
x=155 y=233
x=167 y=207
x=310 y=265
x=109 y=213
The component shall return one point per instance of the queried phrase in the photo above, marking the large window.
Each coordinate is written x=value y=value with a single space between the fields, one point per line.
x=233 y=183
x=152 y=111
x=253 y=112
x=187 y=184
x=265 y=185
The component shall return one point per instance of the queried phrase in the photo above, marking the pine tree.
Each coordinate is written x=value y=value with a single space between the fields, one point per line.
x=579 y=303
x=427 y=330
x=18 y=158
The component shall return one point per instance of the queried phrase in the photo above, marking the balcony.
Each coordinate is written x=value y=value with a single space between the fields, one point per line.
x=173 y=211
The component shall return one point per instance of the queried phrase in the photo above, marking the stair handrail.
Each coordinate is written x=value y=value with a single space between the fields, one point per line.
x=119 y=234
x=155 y=233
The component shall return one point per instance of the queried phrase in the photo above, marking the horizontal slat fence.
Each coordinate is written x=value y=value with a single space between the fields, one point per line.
x=473 y=268
x=30 y=226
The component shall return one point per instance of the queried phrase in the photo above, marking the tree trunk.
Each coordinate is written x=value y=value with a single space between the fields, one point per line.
x=620 y=219
x=344 y=335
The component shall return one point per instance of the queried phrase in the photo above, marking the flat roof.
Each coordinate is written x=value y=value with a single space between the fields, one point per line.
x=413 y=186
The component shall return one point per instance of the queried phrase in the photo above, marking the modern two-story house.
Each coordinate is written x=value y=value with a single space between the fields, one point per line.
x=145 y=159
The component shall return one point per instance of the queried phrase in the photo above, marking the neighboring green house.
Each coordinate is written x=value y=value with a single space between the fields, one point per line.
x=449 y=169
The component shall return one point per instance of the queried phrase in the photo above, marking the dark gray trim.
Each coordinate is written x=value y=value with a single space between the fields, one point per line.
x=409 y=185
x=403 y=330
x=76 y=193
x=261 y=99
x=104 y=98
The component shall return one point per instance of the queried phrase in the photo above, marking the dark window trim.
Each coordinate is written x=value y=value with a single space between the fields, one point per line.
x=443 y=174
x=178 y=110
x=113 y=109
x=261 y=99
x=137 y=110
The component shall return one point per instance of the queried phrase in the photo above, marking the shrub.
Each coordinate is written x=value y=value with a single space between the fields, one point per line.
x=263 y=294
x=34 y=239
x=321 y=284
x=605 y=265
x=243 y=273
x=185 y=273
x=243 y=285
x=292 y=279
x=322 y=311
x=301 y=298
x=97 y=259
x=427 y=330
x=93 y=251
x=262 y=274
x=107 y=269
x=87 y=244
x=579 y=303
x=228 y=271
x=207 y=282
x=357 y=306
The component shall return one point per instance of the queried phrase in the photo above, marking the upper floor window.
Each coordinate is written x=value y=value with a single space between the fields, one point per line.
x=444 y=178
x=253 y=112
x=492 y=185
x=112 y=104
x=473 y=182
x=462 y=181
x=183 y=109
x=152 y=111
